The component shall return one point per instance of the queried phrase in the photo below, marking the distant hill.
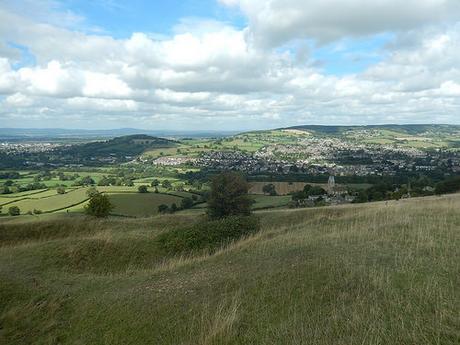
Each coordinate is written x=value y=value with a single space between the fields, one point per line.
x=45 y=134
x=130 y=145
x=404 y=129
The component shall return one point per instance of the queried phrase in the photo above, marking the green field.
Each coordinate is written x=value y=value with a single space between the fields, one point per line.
x=141 y=204
x=359 y=274
x=266 y=201
x=51 y=201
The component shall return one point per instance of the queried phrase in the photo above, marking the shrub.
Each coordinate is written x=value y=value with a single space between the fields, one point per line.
x=37 y=211
x=60 y=190
x=186 y=203
x=99 y=206
x=163 y=208
x=209 y=235
x=142 y=189
x=14 y=211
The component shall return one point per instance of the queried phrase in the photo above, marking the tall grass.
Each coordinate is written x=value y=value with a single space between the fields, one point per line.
x=383 y=273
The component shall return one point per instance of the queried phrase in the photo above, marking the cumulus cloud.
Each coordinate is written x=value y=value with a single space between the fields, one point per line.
x=211 y=74
x=274 y=22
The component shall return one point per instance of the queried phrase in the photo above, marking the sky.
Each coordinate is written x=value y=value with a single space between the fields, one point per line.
x=228 y=64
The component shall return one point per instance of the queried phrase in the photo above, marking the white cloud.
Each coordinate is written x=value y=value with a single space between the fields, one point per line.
x=210 y=74
x=274 y=22
x=98 y=104
x=18 y=100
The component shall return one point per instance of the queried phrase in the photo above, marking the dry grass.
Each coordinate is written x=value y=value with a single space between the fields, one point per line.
x=383 y=273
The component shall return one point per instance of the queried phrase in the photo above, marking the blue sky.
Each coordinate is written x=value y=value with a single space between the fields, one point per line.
x=228 y=64
x=162 y=18
x=122 y=19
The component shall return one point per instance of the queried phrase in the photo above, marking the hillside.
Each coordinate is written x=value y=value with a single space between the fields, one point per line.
x=360 y=274
x=412 y=129
x=130 y=145
x=119 y=148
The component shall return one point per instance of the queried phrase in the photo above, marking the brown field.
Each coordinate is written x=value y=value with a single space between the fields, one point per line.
x=282 y=188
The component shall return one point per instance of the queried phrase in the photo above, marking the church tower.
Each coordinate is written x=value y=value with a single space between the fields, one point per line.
x=331 y=184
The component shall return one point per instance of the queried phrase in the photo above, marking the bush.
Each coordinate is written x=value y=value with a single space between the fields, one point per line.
x=60 y=190
x=142 y=189
x=163 y=208
x=14 y=211
x=186 y=203
x=209 y=235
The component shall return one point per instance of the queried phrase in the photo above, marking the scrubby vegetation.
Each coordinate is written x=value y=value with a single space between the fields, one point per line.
x=208 y=235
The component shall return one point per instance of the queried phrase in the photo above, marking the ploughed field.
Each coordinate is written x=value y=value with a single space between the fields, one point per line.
x=379 y=273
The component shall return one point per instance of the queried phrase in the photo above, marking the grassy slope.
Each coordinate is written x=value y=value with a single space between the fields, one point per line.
x=361 y=274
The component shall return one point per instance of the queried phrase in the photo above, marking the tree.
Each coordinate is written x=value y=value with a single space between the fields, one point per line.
x=99 y=206
x=14 y=211
x=228 y=196
x=87 y=180
x=92 y=191
x=163 y=208
x=316 y=190
x=142 y=189
x=450 y=185
x=155 y=183
x=60 y=190
x=174 y=208
x=166 y=184
x=186 y=203
x=269 y=189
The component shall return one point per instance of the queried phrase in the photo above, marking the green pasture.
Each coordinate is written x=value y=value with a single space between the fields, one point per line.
x=141 y=204
x=52 y=201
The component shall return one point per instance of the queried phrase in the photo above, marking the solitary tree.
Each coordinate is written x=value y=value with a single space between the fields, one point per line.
x=269 y=189
x=99 y=206
x=229 y=196
x=155 y=183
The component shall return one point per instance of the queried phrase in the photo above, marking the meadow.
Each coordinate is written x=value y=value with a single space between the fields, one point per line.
x=141 y=204
x=378 y=273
